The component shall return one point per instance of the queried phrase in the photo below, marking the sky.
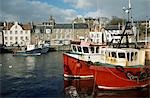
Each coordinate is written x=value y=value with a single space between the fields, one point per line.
x=67 y=10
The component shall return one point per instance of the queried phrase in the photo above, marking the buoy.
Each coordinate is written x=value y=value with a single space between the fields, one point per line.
x=10 y=66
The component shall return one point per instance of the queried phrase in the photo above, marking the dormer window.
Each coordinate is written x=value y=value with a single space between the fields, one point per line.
x=15 y=27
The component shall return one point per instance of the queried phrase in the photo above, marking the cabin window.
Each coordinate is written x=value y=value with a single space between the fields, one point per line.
x=121 y=55
x=135 y=55
x=109 y=54
x=113 y=54
x=74 y=48
x=79 y=49
x=92 y=49
x=103 y=52
x=128 y=56
x=85 y=50
x=132 y=54
x=97 y=49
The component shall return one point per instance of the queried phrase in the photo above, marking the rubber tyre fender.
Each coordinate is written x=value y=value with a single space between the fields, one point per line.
x=120 y=68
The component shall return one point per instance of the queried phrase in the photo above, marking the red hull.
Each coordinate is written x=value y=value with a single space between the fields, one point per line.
x=81 y=85
x=75 y=68
x=113 y=79
x=105 y=77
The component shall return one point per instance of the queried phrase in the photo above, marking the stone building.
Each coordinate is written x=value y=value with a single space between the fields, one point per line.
x=64 y=33
x=58 y=34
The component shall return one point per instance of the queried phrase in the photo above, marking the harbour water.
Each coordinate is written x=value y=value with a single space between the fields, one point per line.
x=42 y=77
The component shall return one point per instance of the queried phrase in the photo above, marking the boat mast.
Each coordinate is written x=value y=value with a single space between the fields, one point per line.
x=128 y=11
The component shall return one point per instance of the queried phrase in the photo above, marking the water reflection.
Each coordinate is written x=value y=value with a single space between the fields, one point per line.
x=30 y=61
x=32 y=76
x=81 y=88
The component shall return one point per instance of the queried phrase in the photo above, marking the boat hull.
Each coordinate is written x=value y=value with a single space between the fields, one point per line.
x=74 y=68
x=44 y=50
x=114 y=79
x=26 y=54
x=107 y=76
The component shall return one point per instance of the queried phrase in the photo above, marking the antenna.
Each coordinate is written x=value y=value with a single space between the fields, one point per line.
x=129 y=4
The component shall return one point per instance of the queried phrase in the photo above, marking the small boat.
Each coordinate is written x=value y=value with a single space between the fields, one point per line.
x=44 y=48
x=30 y=50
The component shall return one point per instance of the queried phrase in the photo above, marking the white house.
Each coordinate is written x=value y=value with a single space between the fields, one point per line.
x=110 y=33
x=97 y=37
x=17 y=34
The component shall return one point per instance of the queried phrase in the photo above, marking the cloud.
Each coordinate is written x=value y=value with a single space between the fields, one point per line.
x=80 y=3
x=111 y=7
x=27 y=10
x=37 y=10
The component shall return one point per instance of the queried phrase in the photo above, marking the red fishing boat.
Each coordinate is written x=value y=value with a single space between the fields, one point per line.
x=112 y=68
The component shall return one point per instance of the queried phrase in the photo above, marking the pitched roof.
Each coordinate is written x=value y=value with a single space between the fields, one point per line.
x=10 y=24
x=26 y=26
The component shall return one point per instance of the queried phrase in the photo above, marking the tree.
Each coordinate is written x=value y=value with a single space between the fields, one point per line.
x=116 y=20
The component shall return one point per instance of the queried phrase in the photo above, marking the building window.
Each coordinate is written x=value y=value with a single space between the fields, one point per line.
x=16 y=32
x=26 y=38
x=5 y=32
x=15 y=27
x=6 y=38
x=16 y=38
x=6 y=43
x=21 y=32
x=11 y=38
x=10 y=32
x=21 y=37
x=11 y=43
x=97 y=35
x=26 y=32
